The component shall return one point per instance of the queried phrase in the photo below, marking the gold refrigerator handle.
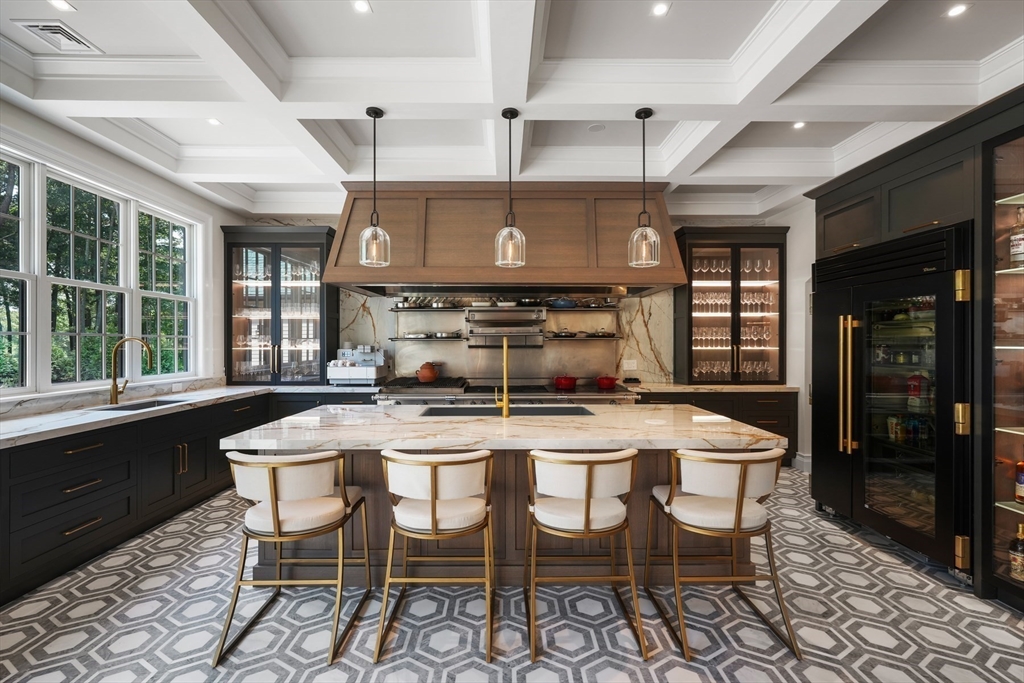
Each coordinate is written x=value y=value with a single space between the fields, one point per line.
x=842 y=376
x=851 y=445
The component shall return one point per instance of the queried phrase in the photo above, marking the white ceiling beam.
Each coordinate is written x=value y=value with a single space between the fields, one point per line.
x=506 y=35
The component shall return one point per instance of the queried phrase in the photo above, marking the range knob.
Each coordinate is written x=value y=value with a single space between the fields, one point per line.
x=398 y=403
x=613 y=402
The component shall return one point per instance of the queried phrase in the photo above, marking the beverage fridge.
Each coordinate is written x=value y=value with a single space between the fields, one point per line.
x=890 y=390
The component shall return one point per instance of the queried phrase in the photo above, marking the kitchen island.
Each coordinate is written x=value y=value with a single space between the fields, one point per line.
x=361 y=432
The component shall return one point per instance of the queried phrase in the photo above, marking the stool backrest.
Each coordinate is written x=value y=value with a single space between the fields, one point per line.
x=276 y=478
x=437 y=476
x=728 y=475
x=582 y=475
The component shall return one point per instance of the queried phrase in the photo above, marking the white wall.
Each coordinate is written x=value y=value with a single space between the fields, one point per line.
x=42 y=141
x=799 y=256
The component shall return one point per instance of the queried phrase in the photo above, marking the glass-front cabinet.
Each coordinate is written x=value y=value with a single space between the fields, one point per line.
x=282 y=322
x=1007 y=340
x=734 y=319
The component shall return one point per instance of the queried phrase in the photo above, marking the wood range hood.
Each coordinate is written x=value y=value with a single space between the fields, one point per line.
x=442 y=240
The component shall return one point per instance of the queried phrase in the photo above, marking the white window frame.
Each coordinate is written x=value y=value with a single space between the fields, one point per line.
x=39 y=162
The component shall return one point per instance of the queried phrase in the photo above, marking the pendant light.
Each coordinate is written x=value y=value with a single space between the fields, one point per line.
x=644 y=243
x=374 y=243
x=510 y=243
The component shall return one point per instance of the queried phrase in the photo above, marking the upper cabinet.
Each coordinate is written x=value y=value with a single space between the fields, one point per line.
x=281 y=321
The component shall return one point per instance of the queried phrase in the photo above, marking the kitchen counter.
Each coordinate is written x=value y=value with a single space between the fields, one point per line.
x=610 y=427
x=674 y=387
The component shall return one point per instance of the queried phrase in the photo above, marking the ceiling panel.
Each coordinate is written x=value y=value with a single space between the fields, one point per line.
x=920 y=29
x=615 y=133
x=782 y=134
x=243 y=131
x=292 y=187
x=114 y=26
x=626 y=29
x=717 y=189
x=395 y=28
x=415 y=133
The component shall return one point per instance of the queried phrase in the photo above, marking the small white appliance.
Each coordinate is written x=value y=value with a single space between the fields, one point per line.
x=363 y=365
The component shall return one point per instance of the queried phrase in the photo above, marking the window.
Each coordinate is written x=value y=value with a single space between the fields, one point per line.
x=12 y=333
x=13 y=284
x=10 y=216
x=87 y=322
x=83 y=231
x=163 y=275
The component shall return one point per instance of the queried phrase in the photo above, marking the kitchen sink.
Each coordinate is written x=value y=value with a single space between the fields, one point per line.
x=142 y=405
x=493 y=411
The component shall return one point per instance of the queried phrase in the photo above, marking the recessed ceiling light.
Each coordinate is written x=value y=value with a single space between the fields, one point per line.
x=799 y=124
x=954 y=11
x=362 y=6
x=660 y=9
x=595 y=127
x=63 y=5
x=213 y=122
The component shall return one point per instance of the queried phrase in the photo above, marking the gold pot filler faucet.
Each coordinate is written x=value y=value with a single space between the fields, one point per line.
x=114 y=391
x=503 y=402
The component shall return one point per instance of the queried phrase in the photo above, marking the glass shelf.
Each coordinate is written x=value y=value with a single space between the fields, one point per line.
x=1011 y=505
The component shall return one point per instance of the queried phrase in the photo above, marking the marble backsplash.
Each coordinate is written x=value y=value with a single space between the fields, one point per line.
x=43 y=404
x=645 y=325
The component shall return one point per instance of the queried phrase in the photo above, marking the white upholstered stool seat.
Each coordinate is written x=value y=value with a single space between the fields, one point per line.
x=457 y=513
x=300 y=516
x=567 y=513
x=708 y=512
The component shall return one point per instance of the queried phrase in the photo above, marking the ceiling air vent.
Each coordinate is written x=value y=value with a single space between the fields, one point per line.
x=60 y=37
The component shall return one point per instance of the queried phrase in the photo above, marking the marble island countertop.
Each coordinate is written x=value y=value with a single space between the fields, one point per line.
x=609 y=428
x=673 y=387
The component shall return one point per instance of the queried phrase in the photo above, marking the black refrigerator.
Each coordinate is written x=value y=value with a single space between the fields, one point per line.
x=890 y=390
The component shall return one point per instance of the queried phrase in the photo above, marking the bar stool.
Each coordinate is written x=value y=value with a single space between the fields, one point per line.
x=297 y=499
x=580 y=495
x=437 y=497
x=726 y=492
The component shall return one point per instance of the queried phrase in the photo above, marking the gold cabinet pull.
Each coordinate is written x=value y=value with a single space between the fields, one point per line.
x=767 y=422
x=84 y=448
x=185 y=447
x=764 y=400
x=81 y=486
x=850 y=325
x=851 y=245
x=238 y=410
x=78 y=528
x=352 y=403
x=923 y=225
x=178 y=448
x=842 y=378
x=659 y=401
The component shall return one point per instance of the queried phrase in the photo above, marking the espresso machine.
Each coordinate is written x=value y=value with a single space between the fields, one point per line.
x=362 y=365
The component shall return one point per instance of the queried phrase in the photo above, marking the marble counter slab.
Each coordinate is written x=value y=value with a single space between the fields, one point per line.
x=328 y=389
x=671 y=387
x=609 y=428
x=25 y=430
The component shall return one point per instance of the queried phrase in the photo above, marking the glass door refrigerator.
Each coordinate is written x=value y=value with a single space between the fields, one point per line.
x=1001 y=516
x=890 y=388
x=282 y=322
x=735 y=323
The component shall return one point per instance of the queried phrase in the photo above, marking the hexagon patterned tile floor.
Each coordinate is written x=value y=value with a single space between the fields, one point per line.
x=865 y=610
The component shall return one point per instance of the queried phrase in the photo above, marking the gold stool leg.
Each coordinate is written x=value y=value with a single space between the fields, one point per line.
x=532 y=615
x=793 y=644
x=366 y=548
x=337 y=599
x=647 y=552
x=526 y=565
x=636 y=599
x=234 y=601
x=384 y=598
x=488 y=585
x=679 y=597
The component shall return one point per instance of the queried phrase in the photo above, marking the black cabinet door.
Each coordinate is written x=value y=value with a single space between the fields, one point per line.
x=284 y=405
x=159 y=477
x=719 y=405
x=853 y=223
x=195 y=470
x=941 y=193
x=831 y=476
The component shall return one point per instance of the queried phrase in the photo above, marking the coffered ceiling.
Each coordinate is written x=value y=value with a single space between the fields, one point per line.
x=289 y=81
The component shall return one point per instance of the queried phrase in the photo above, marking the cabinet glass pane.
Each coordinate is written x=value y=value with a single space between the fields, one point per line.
x=900 y=378
x=711 y=313
x=300 y=314
x=251 y=292
x=1008 y=353
x=759 y=314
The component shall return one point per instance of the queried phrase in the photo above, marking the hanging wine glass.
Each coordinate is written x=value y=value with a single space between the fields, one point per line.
x=767 y=266
x=757 y=267
x=746 y=266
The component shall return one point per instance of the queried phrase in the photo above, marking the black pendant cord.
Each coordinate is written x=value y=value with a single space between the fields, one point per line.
x=643 y=115
x=509 y=114
x=374 y=113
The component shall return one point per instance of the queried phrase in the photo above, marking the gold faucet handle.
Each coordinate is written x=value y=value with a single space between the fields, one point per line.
x=123 y=386
x=497 y=401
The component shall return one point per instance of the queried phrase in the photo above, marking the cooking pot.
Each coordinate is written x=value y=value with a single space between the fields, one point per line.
x=565 y=383
x=592 y=303
x=606 y=383
x=564 y=333
x=427 y=373
x=457 y=334
x=529 y=302
x=561 y=302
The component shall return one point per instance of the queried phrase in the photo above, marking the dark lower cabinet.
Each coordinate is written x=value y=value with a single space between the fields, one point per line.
x=66 y=500
x=774 y=412
x=284 y=404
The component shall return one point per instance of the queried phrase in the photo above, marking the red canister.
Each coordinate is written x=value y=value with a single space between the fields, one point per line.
x=918 y=385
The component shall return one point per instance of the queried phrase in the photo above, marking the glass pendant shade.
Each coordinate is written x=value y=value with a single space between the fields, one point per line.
x=644 y=248
x=510 y=247
x=374 y=247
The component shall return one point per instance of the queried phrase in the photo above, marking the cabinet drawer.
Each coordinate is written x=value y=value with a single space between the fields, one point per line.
x=52 y=494
x=175 y=428
x=662 y=398
x=83 y=448
x=768 y=403
x=770 y=422
x=349 y=399
x=79 y=531
x=245 y=409
x=849 y=225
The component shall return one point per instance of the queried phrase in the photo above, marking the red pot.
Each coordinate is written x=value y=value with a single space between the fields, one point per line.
x=606 y=383
x=565 y=383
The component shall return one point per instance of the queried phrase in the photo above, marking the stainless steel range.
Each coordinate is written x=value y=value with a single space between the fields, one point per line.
x=458 y=391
